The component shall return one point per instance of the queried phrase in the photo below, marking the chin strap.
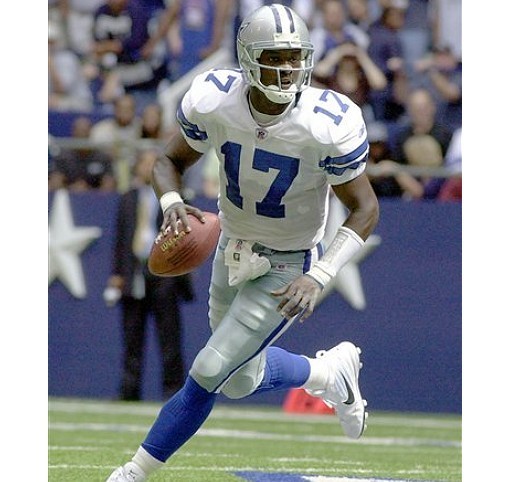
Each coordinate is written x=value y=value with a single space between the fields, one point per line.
x=277 y=96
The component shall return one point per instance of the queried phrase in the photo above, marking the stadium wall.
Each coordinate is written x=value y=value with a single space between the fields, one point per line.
x=410 y=330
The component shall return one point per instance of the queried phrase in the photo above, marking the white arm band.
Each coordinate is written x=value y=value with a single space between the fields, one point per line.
x=344 y=245
x=169 y=198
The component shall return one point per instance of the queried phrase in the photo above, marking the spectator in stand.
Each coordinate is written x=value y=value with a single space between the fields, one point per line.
x=309 y=10
x=447 y=25
x=78 y=20
x=68 y=87
x=386 y=51
x=142 y=294
x=384 y=184
x=421 y=151
x=120 y=33
x=155 y=7
x=416 y=34
x=82 y=168
x=57 y=12
x=375 y=9
x=358 y=20
x=453 y=158
x=441 y=74
x=152 y=123
x=421 y=119
x=118 y=133
x=194 y=29
x=333 y=30
x=452 y=188
x=358 y=13
x=421 y=143
x=245 y=7
x=350 y=70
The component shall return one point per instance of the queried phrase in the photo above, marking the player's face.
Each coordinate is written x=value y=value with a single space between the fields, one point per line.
x=285 y=61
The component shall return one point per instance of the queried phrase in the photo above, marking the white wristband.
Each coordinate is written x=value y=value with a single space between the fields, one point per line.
x=168 y=198
x=319 y=275
x=344 y=245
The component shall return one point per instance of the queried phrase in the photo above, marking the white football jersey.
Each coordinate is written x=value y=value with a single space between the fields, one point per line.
x=274 y=181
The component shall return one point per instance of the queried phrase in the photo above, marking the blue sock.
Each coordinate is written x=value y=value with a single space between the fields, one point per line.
x=283 y=370
x=179 y=419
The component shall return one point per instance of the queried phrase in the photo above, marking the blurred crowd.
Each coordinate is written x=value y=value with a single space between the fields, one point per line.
x=111 y=62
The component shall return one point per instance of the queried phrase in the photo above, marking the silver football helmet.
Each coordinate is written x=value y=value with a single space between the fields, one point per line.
x=274 y=27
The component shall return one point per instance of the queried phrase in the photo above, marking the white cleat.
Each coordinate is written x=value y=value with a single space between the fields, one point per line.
x=130 y=472
x=342 y=392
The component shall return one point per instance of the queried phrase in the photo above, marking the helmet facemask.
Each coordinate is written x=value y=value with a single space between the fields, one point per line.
x=275 y=27
x=301 y=76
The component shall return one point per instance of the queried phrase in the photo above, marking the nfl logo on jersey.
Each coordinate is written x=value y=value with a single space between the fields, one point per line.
x=261 y=134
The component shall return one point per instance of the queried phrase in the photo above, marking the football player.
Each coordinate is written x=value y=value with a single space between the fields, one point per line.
x=283 y=145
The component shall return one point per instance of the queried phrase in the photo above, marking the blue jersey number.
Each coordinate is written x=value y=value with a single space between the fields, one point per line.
x=287 y=167
x=326 y=94
x=222 y=87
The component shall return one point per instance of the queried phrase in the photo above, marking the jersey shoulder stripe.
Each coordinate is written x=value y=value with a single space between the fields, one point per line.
x=207 y=94
x=331 y=118
x=190 y=129
x=338 y=165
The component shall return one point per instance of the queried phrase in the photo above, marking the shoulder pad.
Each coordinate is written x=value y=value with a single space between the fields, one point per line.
x=208 y=89
x=329 y=115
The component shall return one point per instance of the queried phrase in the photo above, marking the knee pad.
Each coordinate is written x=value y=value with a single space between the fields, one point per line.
x=246 y=380
x=209 y=368
x=240 y=385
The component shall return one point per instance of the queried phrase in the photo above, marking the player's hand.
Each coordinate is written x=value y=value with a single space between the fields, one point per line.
x=298 y=298
x=178 y=212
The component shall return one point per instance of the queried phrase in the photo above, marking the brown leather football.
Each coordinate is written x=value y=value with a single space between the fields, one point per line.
x=175 y=255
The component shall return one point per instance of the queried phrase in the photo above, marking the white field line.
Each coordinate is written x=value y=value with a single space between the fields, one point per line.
x=335 y=464
x=416 y=421
x=208 y=468
x=183 y=453
x=196 y=455
x=226 y=468
x=254 y=435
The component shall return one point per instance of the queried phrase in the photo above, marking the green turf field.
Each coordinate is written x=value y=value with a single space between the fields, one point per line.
x=88 y=439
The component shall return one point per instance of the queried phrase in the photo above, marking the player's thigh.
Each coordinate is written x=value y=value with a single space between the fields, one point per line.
x=251 y=323
x=221 y=295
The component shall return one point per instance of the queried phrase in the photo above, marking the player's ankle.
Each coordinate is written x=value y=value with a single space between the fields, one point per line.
x=318 y=377
x=147 y=463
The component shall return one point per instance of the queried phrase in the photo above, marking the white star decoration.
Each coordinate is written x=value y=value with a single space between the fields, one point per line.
x=65 y=243
x=348 y=281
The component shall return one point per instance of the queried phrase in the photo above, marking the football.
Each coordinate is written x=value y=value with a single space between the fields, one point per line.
x=175 y=255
